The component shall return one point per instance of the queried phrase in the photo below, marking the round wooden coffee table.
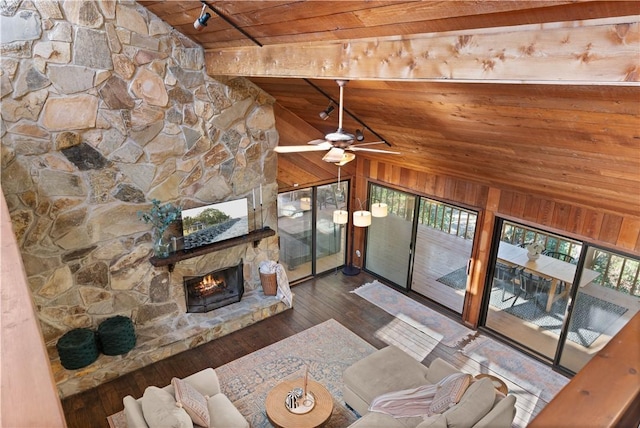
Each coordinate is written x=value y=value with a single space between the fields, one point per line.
x=280 y=416
x=497 y=382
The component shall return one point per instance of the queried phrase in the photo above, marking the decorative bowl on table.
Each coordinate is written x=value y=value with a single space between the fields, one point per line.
x=297 y=403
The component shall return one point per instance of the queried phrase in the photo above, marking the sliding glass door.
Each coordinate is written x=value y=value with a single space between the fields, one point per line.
x=330 y=237
x=389 y=238
x=310 y=242
x=602 y=306
x=556 y=296
x=295 y=228
x=444 y=240
x=423 y=245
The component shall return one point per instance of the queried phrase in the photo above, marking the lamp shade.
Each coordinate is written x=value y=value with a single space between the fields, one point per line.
x=362 y=218
x=340 y=217
x=305 y=204
x=379 y=209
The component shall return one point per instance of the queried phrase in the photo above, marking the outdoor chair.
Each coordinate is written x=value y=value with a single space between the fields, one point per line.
x=560 y=256
x=531 y=286
x=565 y=258
x=505 y=278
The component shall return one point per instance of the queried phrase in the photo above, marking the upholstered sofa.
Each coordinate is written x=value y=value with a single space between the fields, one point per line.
x=159 y=404
x=391 y=369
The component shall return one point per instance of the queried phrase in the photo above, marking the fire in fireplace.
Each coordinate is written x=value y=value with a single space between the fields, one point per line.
x=214 y=290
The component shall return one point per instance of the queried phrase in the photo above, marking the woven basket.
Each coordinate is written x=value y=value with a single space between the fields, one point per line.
x=269 y=283
x=116 y=335
x=77 y=348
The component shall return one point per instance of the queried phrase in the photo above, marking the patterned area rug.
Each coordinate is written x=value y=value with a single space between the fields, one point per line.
x=439 y=327
x=326 y=349
x=591 y=316
x=456 y=279
x=506 y=362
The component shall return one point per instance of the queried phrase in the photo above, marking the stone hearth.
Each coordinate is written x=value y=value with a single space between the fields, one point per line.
x=253 y=307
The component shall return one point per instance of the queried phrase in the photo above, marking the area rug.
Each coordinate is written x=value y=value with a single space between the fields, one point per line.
x=439 y=327
x=508 y=363
x=326 y=350
x=408 y=338
x=456 y=279
x=591 y=316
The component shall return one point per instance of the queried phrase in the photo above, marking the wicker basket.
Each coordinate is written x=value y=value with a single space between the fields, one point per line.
x=116 y=335
x=77 y=348
x=269 y=283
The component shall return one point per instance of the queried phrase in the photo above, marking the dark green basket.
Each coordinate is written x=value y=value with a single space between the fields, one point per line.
x=77 y=348
x=116 y=335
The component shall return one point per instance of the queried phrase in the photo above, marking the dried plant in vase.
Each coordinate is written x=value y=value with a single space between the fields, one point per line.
x=161 y=217
x=534 y=250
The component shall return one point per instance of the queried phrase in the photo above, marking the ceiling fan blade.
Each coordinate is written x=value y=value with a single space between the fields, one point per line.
x=369 y=144
x=333 y=155
x=319 y=141
x=305 y=148
x=357 y=149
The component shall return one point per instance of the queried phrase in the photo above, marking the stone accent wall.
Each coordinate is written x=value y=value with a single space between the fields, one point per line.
x=105 y=107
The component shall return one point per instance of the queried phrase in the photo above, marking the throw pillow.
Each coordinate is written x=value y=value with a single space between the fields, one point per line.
x=475 y=403
x=450 y=391
x=159 y=410
x=192 y=401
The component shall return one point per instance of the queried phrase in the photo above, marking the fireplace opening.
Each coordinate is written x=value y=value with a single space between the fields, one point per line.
x=214 y=290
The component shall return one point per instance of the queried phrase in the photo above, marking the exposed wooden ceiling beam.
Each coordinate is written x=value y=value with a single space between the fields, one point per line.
x=594 y=52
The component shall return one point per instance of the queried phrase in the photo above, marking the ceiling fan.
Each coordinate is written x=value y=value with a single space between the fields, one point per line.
x=337 y=143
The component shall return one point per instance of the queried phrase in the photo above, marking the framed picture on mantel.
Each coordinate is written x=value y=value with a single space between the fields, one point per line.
x=216 y=222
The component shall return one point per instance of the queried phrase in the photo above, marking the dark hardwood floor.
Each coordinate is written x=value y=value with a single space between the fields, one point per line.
x=316 y=301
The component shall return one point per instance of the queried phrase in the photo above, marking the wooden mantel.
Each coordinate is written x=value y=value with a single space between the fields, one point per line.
x=254 y=236
x=606 y=392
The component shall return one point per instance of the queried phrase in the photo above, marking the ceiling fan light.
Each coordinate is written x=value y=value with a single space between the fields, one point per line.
x=362 y=218
x=334 y=155
x=379 y=209
x=340 y=217
x=346 y=158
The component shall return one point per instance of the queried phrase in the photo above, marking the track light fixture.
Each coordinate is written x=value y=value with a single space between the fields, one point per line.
x=324 y=114
x=201 y=22
x=360 y=134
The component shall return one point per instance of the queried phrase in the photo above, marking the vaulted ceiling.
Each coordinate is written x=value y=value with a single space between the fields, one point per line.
x=489 y=91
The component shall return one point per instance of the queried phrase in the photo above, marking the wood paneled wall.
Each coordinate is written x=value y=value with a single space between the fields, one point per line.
x=611 y=230
x=28 y=393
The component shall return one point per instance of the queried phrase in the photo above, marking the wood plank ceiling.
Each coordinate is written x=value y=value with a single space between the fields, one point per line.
x=522 y=126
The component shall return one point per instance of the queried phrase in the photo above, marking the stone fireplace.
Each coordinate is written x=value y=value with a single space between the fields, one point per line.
x=151 y=124
x=214 y=290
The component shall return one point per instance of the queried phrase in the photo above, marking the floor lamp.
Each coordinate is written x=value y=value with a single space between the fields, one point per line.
x=349 y=269
x=361 y=218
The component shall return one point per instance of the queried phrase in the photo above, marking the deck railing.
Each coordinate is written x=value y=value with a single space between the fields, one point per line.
x=448 y=218
x=618 y=272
